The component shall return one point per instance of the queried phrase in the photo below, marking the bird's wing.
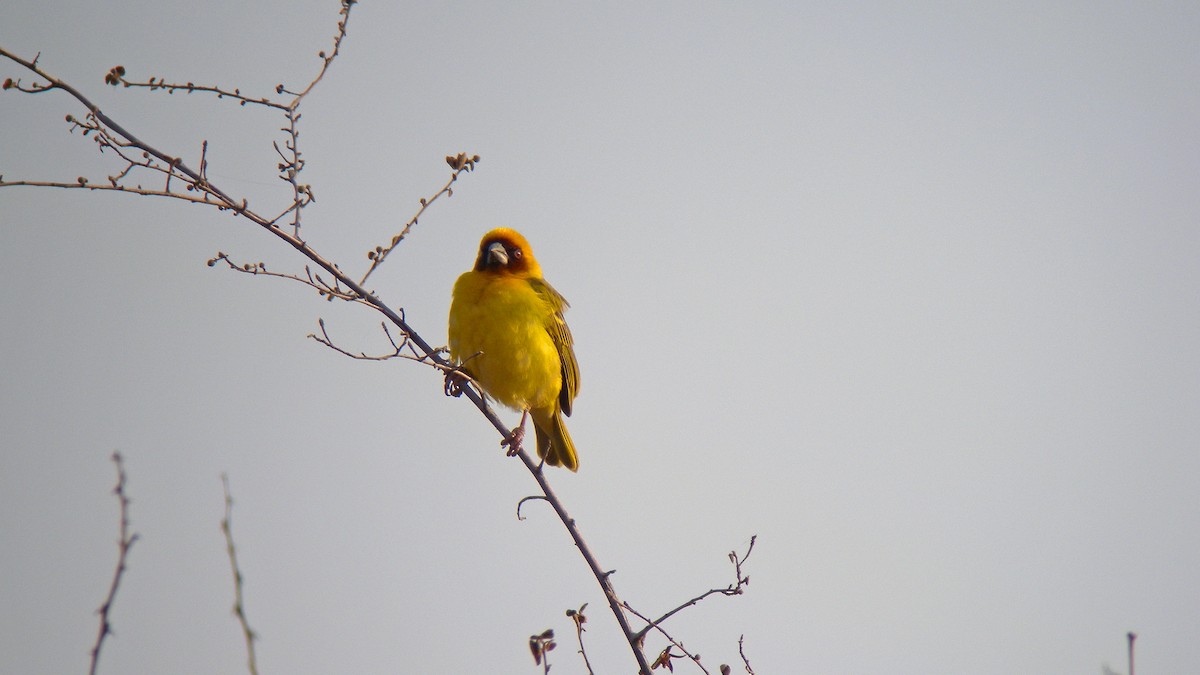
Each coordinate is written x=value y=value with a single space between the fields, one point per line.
x=556 y=326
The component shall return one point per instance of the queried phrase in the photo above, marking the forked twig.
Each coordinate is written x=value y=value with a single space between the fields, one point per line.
x=665 y=656
x=736 y=588
x=311 y=279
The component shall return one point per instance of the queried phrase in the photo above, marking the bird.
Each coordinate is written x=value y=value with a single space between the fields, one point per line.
x=507 y=333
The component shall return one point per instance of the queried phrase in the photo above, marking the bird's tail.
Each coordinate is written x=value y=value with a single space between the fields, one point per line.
x=554 y=444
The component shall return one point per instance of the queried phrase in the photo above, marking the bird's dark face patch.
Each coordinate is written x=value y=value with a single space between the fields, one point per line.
x=502 y=253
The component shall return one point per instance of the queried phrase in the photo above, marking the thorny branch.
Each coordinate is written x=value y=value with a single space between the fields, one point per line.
x=123 y=545
x=239 y=608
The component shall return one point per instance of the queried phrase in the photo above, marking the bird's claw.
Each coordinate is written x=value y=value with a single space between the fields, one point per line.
x=513 y=442
x=455 y=380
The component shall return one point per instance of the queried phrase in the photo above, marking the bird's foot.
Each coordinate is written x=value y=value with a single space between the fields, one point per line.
x=455 y=381
x=513 y=442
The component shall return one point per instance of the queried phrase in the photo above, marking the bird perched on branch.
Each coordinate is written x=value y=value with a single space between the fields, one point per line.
x=507 y=333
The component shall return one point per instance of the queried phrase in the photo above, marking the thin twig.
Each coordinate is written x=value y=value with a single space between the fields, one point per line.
x=117 y=76
x=324 y=339
x=742 y=653
x=239 y=607
x=323 y=288
x=736 y=588
x=123 y=545
x=84 y=184
x=326 y=59
x=578 y=617
x=459 y=163
x=527 y=499
x=290 y=169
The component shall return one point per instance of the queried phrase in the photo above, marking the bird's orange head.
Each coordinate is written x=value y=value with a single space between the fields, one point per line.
x=505 y=251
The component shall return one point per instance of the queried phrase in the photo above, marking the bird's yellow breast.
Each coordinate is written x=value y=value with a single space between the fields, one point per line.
x=503 y=319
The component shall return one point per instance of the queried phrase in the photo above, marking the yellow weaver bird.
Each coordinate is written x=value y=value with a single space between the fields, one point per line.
x=508 y=333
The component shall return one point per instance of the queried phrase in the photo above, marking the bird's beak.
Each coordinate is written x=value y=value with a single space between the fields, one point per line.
x=496 y=255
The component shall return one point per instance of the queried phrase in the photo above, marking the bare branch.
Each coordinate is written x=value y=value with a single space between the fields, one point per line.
x=128 y=139
x=736 y=588
x=85 y=184
x=326 y=59
x=114 y=136
x=175 y=167
x=459 y=163
x=323 y=288
x=289 y=171
x=324 y=339
x=239 y=607
x=116 y=76
x=603 y=578
x=123 y=545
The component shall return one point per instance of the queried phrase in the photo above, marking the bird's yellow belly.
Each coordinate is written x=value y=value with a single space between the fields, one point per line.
x=517 y=362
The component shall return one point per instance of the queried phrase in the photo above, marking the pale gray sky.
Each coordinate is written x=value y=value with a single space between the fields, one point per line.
x=908 y=290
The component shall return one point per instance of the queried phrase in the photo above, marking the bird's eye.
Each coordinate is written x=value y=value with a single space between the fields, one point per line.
x=517 y=253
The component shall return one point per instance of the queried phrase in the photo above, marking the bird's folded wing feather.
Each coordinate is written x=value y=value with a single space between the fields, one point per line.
x=556 y=326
